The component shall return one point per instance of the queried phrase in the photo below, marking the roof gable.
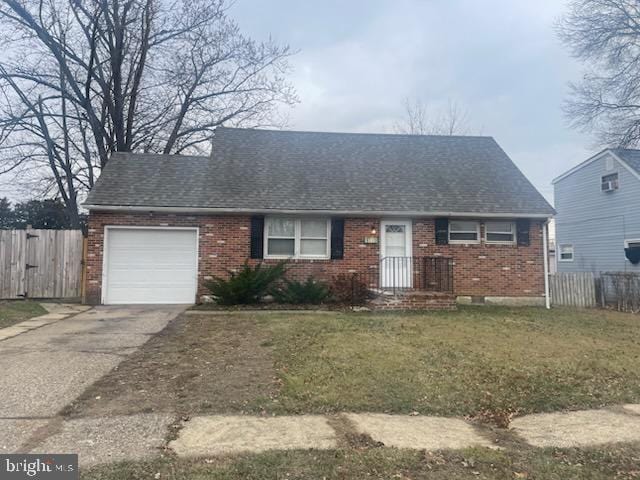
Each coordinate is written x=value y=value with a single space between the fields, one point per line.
x=266 y=170
x=629 y=159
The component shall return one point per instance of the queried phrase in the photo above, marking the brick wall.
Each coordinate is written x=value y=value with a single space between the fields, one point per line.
x=489 y=270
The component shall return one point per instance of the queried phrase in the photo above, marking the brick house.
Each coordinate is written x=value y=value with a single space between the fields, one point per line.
x=394 y=209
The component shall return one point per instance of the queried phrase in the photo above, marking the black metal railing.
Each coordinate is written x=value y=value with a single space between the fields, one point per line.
x=411 y=273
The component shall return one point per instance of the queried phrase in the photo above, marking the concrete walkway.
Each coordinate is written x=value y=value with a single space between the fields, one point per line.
x=108 y=439
x=56 y=312
x=585 y=428
x=217 y=435
x=46 y=367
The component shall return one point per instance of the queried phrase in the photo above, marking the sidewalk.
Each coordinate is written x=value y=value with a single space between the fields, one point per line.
x=137 y=437
x=57 y=312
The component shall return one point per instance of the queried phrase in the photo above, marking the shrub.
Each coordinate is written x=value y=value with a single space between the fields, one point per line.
x=310 y=292
x=349 y=289
x=247 y=286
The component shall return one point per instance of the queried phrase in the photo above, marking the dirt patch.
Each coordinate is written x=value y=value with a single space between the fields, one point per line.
x=197 y=364
x=328 y=307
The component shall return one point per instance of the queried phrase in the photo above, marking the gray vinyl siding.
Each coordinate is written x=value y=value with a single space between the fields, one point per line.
x=597 y=223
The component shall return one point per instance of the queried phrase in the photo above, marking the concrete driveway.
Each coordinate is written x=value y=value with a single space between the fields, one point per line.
x=45 y=369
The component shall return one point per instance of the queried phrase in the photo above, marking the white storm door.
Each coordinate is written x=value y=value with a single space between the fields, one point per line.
x=150 y=265
x=395 y=254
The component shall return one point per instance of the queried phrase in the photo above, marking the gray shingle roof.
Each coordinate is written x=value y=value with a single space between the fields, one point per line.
x=631 y=157
x=262 y=170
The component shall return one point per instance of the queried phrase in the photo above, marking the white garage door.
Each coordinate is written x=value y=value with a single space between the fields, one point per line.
x=150 y=265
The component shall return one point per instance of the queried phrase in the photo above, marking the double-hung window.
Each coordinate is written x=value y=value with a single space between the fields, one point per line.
x=287 y=237
x=464 y=231
x=499 y=232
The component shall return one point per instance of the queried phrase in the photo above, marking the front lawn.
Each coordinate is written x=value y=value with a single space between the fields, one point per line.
x=457 y=363
x=16 y=311
x=477 y=361
x=613 y=462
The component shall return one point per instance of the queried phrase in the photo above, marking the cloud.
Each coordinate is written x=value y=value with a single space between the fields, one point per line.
x=500 y=59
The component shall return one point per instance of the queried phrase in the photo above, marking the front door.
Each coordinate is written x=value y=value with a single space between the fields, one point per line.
x=395 y=254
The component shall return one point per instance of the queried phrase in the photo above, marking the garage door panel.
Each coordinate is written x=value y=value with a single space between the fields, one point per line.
x=151 y=266
x=140 y=276
x=146 y=295
x=144 y=259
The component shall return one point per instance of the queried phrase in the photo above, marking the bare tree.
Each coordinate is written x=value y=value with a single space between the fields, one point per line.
x=83 y=78
x=605 y=35
x=452 y=120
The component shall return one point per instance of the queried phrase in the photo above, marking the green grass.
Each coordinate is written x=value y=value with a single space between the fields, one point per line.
x=475 y=360
x=620 y=462
x=451 y=363
x=12 y=312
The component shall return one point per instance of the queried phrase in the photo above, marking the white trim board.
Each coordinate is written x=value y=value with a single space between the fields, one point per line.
x=355 y=213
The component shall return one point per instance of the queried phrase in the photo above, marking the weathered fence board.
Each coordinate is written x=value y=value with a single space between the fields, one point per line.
x=40 y=263
x=573 y=289
x=13 y=244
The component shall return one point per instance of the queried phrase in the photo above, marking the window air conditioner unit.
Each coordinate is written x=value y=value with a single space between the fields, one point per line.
x=608 y=187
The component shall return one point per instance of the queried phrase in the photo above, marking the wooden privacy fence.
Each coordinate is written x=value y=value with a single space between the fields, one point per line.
x=620 y=290
x=573 y=289
x=41 y=263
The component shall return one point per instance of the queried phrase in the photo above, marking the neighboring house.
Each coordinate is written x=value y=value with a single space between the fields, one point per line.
x=598 y=219
x=373 y=205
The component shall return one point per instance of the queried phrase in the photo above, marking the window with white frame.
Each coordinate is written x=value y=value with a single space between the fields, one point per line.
x=464 y=231
x=566 y=253
x=499 y=232
x=287 y=237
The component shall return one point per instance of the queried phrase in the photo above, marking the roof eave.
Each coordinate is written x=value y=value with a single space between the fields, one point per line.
x=358 y=213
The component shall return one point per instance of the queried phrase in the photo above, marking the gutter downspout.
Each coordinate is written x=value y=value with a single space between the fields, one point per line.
x=545 y=246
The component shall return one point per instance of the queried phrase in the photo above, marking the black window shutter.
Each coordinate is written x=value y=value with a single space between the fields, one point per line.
x=257 y=237
x=522 y=232
x=442 y=231
x=337 y=238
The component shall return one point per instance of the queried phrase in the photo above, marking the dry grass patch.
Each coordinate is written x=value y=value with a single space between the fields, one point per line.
x=484 y=362
x=477 y=361
x=195 y=365
x=615 y=462
x=16 y=311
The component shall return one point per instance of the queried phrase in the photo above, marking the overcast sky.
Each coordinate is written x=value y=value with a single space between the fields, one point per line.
x=359 y=60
